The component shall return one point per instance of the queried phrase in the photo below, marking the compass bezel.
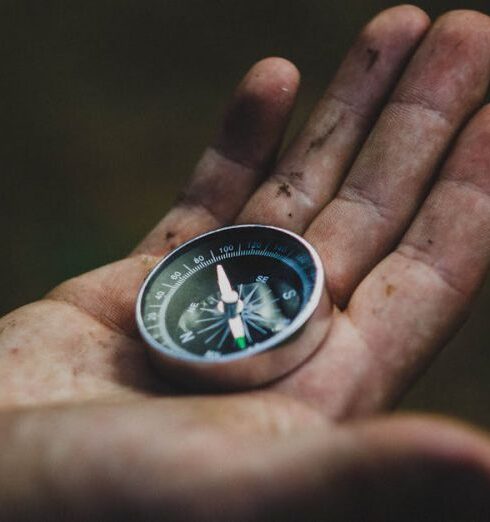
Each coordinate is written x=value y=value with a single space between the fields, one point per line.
x=198 y=365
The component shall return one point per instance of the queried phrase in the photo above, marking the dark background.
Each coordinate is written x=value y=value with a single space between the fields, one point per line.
x=106 y=106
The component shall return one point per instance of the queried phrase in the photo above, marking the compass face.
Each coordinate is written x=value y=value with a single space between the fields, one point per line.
x=229 y=293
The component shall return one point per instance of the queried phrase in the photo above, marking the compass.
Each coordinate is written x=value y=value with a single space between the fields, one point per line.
x=234 y=308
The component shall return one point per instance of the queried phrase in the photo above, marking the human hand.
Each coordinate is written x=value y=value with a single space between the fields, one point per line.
x=389 y=180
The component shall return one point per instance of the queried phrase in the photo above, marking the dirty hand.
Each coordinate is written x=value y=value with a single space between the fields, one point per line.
x=390 y=180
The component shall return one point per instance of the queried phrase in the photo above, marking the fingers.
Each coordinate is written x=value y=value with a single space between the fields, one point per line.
x=310 y=172
x=410 y=304
x=221 y=459
x=444 y=83
x=223 y=180
x=416 y=298
x=417 y=469
x=231 y=168
x=138 y=459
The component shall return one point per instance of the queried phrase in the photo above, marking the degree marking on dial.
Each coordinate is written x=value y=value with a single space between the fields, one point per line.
x=152 y=326
x=254 y=252
x=266 y=252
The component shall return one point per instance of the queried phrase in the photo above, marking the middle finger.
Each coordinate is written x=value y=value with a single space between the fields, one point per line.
x=309 y=174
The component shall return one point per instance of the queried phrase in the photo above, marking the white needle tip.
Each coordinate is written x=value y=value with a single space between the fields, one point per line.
x=228 y=295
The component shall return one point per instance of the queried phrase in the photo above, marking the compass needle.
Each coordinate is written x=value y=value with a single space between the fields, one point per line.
x=228 y=295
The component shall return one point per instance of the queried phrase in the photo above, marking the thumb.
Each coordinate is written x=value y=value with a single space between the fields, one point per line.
x=412 y=469
x=204 y=459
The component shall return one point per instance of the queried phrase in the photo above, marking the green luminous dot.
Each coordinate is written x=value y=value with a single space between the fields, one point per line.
x=241 y=342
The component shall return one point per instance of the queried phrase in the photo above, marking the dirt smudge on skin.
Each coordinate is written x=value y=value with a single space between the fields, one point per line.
x=10 y=324
x=171 y=242
x=373 y=56
x=320 y=140
x=458 y=44
x=284 y=189
x=103 y=345
x=148 y=262
x=389 y=290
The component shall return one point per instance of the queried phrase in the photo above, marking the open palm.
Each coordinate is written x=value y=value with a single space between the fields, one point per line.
x=389 y=179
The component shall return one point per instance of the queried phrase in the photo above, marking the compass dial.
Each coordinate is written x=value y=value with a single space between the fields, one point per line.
x=230 y=293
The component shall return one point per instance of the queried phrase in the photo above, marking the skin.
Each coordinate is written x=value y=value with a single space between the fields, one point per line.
x=390 y=180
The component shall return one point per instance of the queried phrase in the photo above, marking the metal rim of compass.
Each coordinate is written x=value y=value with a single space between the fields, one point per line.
x=266 y=360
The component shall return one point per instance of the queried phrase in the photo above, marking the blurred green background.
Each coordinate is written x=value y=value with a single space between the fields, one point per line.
x=106 y=106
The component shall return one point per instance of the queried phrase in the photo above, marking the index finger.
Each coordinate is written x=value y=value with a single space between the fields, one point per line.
x=233 y=165
x=227 y=173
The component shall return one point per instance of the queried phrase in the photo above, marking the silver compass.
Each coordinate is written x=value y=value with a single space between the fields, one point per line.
x=234 y=308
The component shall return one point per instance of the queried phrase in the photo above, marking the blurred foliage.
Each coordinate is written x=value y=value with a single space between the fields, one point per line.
x=105 y=107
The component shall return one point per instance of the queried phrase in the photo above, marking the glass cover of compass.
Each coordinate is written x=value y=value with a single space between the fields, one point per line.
x=230 y=294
